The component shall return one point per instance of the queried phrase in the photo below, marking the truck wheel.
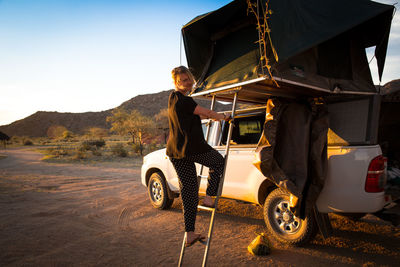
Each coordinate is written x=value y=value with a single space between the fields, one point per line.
x=282 y=224
x=158 y=192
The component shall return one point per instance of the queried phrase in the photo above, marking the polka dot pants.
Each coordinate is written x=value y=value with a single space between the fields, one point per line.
x=186 y=170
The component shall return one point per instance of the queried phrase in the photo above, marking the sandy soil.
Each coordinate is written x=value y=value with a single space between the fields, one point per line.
x=73 y=214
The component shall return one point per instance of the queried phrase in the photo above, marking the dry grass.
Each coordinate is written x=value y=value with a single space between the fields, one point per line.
x=114 y=151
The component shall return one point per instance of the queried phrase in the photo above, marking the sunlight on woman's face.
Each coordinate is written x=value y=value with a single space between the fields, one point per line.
x=183 y=82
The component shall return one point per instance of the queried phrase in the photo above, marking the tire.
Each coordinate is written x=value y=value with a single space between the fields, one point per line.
x=158 y=192
x=281 y=223
x=351 y=216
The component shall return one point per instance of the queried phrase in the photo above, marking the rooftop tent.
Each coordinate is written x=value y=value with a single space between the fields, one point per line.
x=320 y=47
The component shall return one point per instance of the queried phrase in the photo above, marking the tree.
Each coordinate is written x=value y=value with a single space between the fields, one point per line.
x=118 y=121
x=162 y=125
x=4 y=138
x=134 y=124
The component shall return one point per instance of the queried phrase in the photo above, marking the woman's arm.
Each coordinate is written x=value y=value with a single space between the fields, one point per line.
x=205 y=113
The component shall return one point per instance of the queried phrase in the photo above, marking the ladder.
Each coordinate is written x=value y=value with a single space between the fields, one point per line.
x=220 y=186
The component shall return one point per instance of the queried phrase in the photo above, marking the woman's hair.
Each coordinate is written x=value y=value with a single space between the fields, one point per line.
x=181 y=70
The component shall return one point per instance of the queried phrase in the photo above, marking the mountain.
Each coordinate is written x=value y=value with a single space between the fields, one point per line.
x=391 y=91
x=37 y=124
x=148 y=105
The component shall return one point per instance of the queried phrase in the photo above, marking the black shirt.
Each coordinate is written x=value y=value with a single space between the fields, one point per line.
x=185 y=132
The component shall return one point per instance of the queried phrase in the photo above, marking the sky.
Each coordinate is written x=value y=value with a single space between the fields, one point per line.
x=92 y=55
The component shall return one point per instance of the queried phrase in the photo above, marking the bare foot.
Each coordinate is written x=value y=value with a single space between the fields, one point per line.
x=208 y=202
x=192 y=238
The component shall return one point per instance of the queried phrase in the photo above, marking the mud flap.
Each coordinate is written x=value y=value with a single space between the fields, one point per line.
x=171 y=195
x=390 y=213
x=323 y=222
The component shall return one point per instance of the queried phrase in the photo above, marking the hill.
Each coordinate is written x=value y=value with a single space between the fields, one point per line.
x=37 y=124
x=391 y=91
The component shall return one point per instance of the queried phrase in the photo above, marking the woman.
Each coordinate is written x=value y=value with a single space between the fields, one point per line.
x=186 y=145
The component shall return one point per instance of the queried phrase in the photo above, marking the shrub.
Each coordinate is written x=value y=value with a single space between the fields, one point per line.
x=67 y=135
x=96 y=153
x=58 y=151
x=98 y=143
x=79 y=154
x=28 y=142
x=56 y=131
x=85 y=146
x=15 y=139
x=136 y=148
x=119 y=150
x=93 y=144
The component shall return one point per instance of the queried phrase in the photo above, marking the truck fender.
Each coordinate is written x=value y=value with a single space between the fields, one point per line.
x=265 y=188
x=150 y=171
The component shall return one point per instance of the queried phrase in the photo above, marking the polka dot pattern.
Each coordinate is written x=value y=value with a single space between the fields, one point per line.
x=186 y=170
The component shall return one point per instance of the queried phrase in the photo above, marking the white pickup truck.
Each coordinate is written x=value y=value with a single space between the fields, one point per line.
x=354 y=184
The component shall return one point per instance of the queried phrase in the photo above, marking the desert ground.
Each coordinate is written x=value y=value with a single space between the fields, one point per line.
x=54 y=214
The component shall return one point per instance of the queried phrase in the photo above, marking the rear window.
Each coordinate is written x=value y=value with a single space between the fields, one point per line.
x=353 y=122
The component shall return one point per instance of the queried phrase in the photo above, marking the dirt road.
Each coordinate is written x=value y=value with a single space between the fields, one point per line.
x=73 y=214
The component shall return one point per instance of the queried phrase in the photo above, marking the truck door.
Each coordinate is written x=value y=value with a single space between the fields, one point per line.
x=242 y=177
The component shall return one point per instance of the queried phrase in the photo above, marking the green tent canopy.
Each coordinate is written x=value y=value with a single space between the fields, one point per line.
x=320 y=45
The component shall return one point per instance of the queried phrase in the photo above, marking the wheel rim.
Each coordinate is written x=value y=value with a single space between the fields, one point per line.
x=284 y=219
x=156 y=191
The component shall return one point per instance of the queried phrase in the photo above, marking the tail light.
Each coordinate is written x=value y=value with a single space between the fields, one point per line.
x=376 y=177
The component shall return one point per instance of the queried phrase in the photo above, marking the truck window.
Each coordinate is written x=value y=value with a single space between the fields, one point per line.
x=353 y=121
x=213 y=126
x=247 y=130
x=204 y=127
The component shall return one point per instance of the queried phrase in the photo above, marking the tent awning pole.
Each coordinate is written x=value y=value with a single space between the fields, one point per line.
x=206 y=137
x=228 y=142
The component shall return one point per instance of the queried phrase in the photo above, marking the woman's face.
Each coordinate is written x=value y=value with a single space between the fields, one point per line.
x=183 y=82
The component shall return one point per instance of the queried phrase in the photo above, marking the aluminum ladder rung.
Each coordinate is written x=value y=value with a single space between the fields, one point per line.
x=200 y=207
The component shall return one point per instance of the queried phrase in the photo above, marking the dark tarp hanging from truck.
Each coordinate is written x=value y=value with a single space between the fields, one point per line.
x=292 y=151
x=319 y=43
